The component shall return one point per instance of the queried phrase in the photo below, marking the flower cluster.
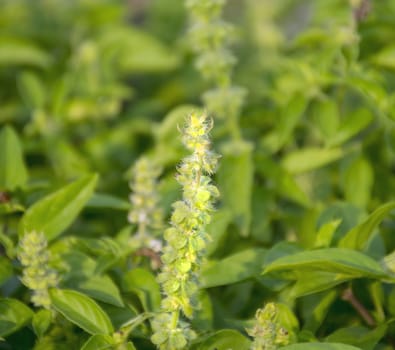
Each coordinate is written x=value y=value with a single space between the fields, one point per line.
x=37 y=275
x=145 y=212
x=210 y=37
x=267 y=332
x=186 y=238
x=170 y=332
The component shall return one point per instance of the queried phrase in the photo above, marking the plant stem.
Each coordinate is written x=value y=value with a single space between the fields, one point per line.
x=151 y=254
x=349 y=296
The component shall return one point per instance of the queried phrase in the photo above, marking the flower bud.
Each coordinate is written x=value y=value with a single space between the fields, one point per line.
x=37 y=275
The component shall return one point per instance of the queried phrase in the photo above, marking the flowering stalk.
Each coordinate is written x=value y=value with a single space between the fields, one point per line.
x=267 y=332
x=210 y=38
x=145 y=212
x=37 y=275
x=186 y=238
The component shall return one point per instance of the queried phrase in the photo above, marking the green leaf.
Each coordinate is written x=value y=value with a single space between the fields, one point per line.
x=325 y=234
x=262 y=209
x=10 y=208
x=102 y=246
x=386 y=57
x=32 y=90
x=319 y=346
x=130 y=346
x=66 y=159
x=137 y=51
x=101 y=200
x=99 y=342
x=349 y=214
x=280 y=250
x=316 y=281
x=101 y=288
x=354 y=123
x=308 y=159
x=81 y=310
x=288 y=118
x=376 y=292
x=41 y=322
x=235 y=180
x=390 y=301
x=76 y=264
x=335 y=260
x=362 y=337
x=143 y=283
x=203 y=317
x=6 y=269
x=224 y=339
x=275 y=282
x=13 y=172
x=234 y=268
x=13 y=316
x=283 y=182
x=326 y=117
x=358 y=182
x=370 y=86
x=17 y=52
x=60 y=93
x=217 y=229
x=315 y=308
x=8 y=246
x=287 y=319
x=55 y=212
x=389 y=262
x=357 y=237
x=122 y=315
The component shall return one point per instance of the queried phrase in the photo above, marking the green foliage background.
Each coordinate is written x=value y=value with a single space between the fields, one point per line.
x=305 y=214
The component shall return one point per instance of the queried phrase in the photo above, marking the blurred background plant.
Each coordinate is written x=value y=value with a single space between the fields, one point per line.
x=91 y=86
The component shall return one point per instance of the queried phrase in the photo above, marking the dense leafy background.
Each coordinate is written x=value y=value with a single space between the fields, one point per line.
x=306 y=211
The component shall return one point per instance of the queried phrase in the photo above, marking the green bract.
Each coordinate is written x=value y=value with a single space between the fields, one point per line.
x=37 y=275
x=186 y=239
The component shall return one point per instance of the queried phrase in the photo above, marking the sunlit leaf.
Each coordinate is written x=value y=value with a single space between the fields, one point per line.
x=41 y=322
x=308 y=159
x=101 y=288
x=235 y=181
x=13 y=315
x=18 y=52
x=234 y=268
x=362 y=337
x=334 y=260
x=143 y=283
x=99 y=342
x=13 y=172
x=81 y=310
x=358 y=236
x=55 y=212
